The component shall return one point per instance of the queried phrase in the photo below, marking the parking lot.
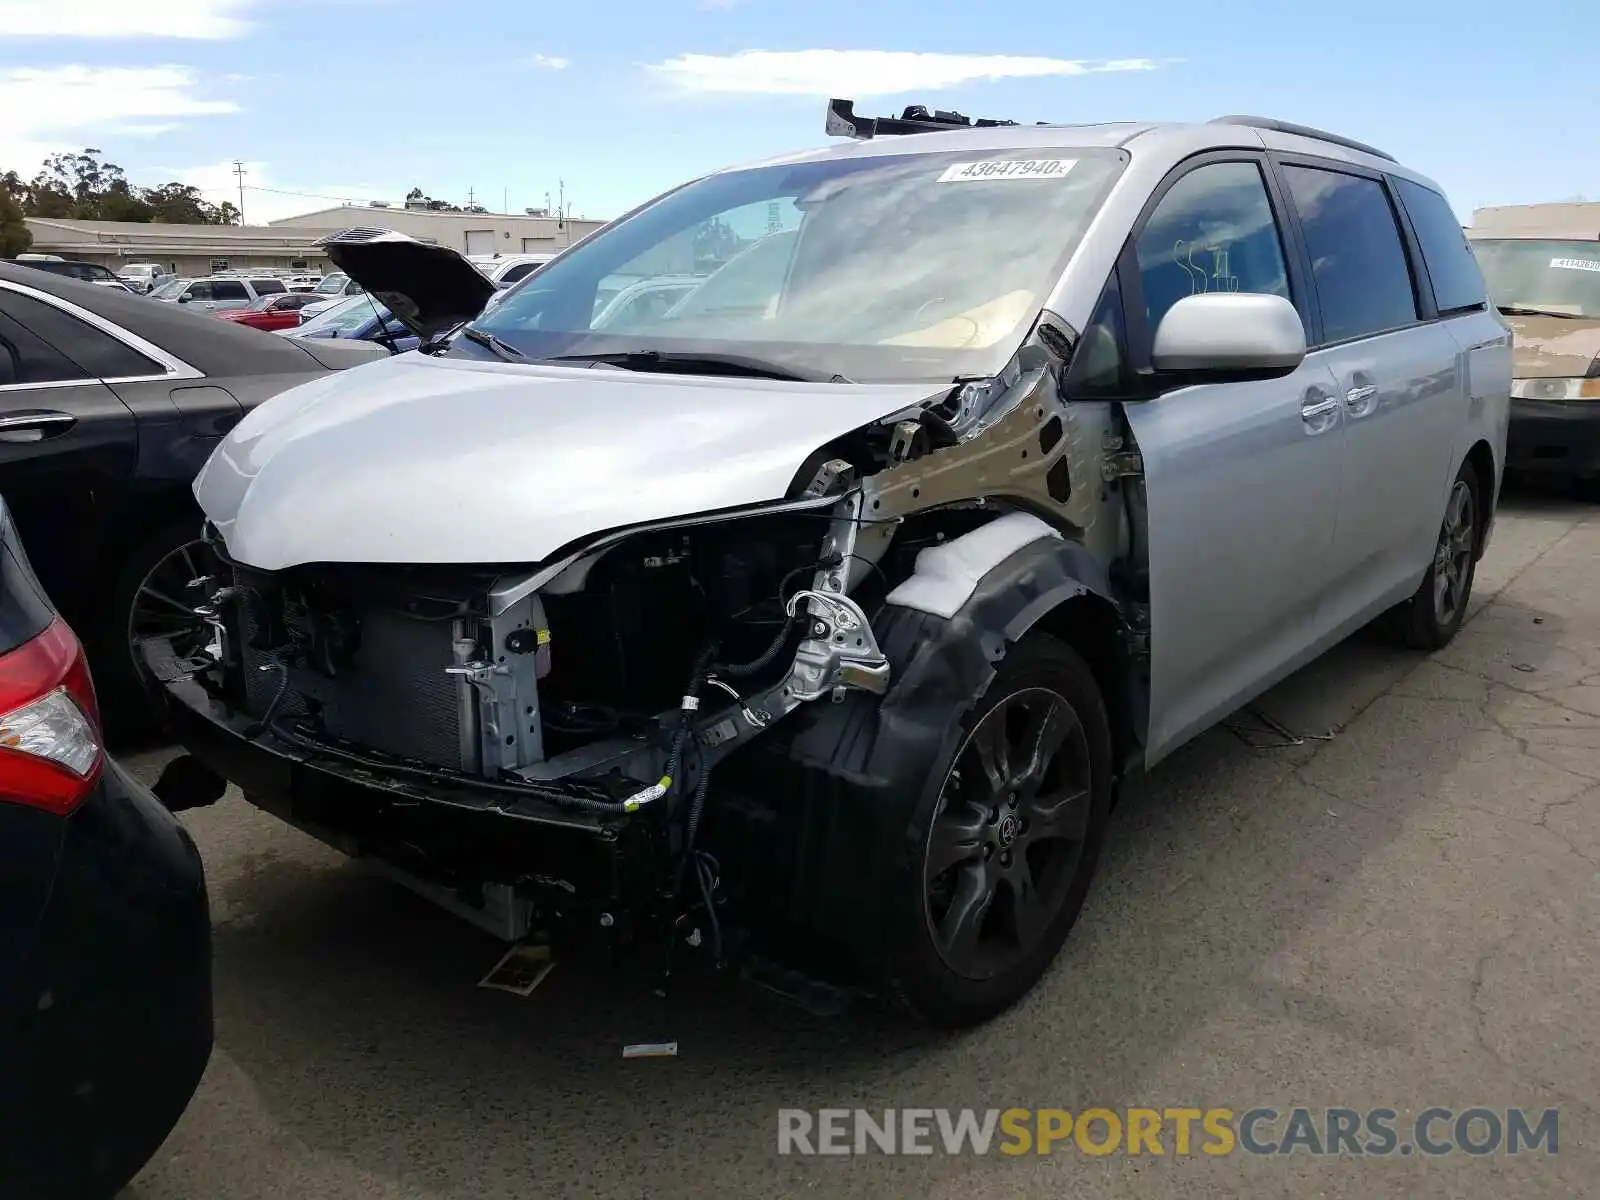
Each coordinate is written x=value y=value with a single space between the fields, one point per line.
x=1404 y=915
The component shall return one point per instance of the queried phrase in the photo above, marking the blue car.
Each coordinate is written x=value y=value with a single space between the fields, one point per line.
x=360 y=318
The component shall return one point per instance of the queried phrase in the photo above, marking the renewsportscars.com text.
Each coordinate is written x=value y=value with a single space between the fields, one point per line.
x=1350 y=1132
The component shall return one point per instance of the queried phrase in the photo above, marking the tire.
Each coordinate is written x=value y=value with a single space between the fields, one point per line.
x=1435 y=612
x=125 y=704
x=952 y=973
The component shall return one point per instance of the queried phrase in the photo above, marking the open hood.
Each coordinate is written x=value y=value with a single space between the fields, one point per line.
x=428 y=288
x=424 y=460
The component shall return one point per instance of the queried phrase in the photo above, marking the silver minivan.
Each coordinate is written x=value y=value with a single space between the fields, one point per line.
x=816 y=618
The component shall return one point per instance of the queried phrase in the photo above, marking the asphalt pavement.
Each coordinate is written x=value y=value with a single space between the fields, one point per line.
x=1402 y=915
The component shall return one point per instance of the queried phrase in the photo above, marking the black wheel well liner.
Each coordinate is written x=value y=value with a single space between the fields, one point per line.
x=822 y=804
x=943 y=665
x=1482 y=459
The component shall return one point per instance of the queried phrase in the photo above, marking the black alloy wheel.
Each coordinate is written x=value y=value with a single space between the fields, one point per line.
x=1002 y=842
x=1452 y=559
x=1011 y=828
x=1436 y=610
x=164 y=604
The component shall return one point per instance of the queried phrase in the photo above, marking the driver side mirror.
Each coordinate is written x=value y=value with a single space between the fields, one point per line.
x=1226 y=336
x=185 y=298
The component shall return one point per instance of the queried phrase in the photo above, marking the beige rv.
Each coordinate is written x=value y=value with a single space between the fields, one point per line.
x=1542 y=264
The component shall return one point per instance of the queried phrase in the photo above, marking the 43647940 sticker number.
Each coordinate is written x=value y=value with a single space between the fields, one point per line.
x=1015 y=168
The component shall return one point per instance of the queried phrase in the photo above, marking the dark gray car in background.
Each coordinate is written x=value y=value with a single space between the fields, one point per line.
x=109 y=405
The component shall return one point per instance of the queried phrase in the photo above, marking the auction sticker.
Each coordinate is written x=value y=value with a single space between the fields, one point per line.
x=1576 y=264
x=1015 y=168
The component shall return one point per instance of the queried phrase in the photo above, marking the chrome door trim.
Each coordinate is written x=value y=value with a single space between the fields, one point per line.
x=175 y=368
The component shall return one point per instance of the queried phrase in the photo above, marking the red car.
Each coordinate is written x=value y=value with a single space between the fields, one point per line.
x=281 y=310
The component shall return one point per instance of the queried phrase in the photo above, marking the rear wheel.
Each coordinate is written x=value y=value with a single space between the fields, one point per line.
x=1436 y=611
x=1009 y=842
x=150 y=597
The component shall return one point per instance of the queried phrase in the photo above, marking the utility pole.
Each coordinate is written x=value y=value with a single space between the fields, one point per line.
x=561 y=194
x=238 y=169
x=469 y=197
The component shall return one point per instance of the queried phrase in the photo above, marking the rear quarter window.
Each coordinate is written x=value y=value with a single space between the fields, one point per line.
x=267 y=287
x=95 y=353
x=1452 y=268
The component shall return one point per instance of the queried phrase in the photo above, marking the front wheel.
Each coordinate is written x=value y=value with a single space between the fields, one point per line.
x=1007 y=845
x=1434 y=614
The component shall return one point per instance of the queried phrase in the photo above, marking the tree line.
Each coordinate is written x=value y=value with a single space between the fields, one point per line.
x=84 y=186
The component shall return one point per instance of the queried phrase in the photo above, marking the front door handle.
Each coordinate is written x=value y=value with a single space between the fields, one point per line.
x=1360 y=401
x=35 y=426
x=1319 y=411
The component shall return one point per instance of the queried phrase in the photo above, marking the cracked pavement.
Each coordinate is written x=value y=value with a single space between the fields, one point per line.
x=1406 y=915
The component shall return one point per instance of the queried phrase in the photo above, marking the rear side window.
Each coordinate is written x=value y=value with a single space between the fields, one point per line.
x=24 y=358
x=1358 y=261
x=266 y=287
x=228 y=289
x=1453 y=270
x=100 y=355
x=517 y=272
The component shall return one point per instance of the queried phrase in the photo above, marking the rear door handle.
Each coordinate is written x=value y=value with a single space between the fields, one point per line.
x=35 y=426
x=1319 y=411
x=1360 y=401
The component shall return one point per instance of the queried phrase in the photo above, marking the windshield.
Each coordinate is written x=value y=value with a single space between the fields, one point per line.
x=1550 y=276
x=347 y=317
x=170 y=289
x=331 y=285
x=137 y=271
x=876 y=267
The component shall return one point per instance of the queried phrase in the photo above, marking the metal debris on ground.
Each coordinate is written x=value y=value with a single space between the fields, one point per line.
x=520 y=970
x=651 y=1050
x=1254 y=737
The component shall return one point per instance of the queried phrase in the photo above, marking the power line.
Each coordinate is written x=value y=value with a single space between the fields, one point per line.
x=308 y=195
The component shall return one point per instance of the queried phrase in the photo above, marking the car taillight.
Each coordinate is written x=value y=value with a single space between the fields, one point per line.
x=50 y=751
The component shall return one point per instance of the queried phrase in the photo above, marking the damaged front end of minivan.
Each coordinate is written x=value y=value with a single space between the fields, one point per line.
x=568 y=713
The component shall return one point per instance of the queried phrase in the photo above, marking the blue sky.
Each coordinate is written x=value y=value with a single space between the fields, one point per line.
x=362 y=99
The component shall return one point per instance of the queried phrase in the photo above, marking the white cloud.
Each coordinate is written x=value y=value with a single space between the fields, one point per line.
x=548 y=62
x=205 y=19
x=52 y=109
x=865 y=72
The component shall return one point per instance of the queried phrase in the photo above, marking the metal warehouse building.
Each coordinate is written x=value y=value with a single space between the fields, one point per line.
x=200 y=249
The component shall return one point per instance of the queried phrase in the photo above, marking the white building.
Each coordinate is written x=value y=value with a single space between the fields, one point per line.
x=193 y=250
x=470 y=233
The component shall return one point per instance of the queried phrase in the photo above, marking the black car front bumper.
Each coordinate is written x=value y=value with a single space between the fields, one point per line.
x=1549 y=438
x=449 y=833
x=107 y=1025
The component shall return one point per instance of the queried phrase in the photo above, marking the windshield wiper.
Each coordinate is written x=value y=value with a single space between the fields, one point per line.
x=501 y=350
x=1517 y=310
x=686 y=362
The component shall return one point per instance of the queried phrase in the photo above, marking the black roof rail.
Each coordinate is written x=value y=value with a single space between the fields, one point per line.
x=843 y=121
x=1307 y=131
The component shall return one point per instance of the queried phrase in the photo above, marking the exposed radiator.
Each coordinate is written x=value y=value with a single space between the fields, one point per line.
x=396 y=698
